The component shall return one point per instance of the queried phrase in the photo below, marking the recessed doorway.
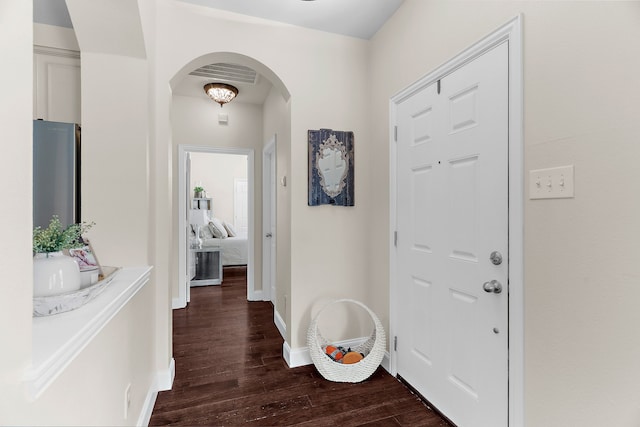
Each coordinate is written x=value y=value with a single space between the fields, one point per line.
x=196 y=169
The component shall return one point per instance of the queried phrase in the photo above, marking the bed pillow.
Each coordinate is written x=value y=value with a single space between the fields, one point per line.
x=230 y=230
x=218 y=229
x=205 y=233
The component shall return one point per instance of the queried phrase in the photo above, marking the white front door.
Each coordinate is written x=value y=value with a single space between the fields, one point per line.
x=452 y=215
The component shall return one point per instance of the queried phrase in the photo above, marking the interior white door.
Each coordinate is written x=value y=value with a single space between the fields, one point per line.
x=452 y=342
x=189 y=261
x=272 y=218
x=57 y=86
x=269 y=222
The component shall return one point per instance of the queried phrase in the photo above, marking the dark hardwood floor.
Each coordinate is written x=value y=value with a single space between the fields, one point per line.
x=230 y=371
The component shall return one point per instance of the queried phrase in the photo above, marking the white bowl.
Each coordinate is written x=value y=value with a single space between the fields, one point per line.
x=89 y=277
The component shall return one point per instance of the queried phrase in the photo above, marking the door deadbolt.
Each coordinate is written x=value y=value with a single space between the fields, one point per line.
x=496 y=258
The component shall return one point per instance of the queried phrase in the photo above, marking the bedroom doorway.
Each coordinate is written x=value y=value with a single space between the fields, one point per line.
x=216 y=170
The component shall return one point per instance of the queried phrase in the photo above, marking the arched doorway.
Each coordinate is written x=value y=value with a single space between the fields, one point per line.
x=198 y=124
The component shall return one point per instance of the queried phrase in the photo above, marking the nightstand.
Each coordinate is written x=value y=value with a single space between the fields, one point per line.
x=208 y=266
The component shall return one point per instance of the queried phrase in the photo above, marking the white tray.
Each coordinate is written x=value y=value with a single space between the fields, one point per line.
x=55 y=304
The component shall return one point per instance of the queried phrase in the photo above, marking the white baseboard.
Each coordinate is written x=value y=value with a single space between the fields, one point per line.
x=386 y=362
x=301 y=357
x=297 y=356
x=177 y=303
x=164 y=380
x=286 y=353
x=256 y=296
x=280 y=324
x=147 y=408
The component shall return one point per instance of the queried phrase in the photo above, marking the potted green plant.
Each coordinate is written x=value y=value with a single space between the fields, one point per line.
x=198 y=192
x=53 y=271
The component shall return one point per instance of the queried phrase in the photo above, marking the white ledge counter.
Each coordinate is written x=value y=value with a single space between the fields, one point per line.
x=58 y=339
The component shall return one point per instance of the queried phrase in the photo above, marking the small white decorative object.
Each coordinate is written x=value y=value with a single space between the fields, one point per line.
x=198 y=217
x=89 y=277
x=54 y=273
x=55 y=304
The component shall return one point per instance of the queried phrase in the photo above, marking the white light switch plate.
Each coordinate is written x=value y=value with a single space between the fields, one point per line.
x=552 y=183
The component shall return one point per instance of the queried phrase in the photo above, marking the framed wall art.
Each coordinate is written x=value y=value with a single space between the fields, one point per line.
x=331 y=170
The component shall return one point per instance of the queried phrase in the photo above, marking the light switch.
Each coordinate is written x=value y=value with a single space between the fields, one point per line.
x=552 y=183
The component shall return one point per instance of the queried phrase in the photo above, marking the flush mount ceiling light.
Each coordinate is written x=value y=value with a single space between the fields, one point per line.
x=221 y=92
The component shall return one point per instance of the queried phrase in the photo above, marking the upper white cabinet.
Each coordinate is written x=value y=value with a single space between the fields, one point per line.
x=56 y=85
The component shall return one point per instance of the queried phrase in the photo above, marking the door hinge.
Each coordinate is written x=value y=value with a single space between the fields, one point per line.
x=395 y=239
x=395 y=133
x=395 y=343
x=438 y=87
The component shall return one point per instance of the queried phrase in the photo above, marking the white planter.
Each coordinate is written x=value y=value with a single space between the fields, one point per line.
x=54 y=273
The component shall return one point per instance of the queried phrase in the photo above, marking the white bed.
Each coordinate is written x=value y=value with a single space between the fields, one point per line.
x=234 y=249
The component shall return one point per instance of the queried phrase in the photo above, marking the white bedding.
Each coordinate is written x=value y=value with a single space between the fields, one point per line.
x=234 y=249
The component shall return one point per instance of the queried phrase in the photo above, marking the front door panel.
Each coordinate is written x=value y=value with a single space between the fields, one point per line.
x=452 y=214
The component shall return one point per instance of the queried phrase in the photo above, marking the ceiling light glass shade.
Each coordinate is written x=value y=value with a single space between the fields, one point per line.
x=221 y=92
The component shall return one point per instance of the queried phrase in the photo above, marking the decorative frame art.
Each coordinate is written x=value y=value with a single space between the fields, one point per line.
x=331 y=168
x=86 y=258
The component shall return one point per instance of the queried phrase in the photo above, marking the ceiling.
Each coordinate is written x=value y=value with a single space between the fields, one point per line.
x=250 y=93
x=51 y=12
x=354 y=18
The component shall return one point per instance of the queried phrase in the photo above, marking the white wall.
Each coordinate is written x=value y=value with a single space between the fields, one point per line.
x=326 y=75
x=582 y=97
x=581 y=107
x=115 y=194
x=115 y=174
x=329 y=256
x=159 y=244
x=90 y=390
x=217 y=173
x=277 y=121
x=115 y=187
x=16 y=129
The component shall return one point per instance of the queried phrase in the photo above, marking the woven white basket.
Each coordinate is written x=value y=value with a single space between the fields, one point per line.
x=373 y=347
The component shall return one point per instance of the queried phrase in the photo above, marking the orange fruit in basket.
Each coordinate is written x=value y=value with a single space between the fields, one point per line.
x=352 y=357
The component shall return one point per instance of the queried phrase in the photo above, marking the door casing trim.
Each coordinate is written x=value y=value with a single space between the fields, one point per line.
x=510 y=32
x=182 y=197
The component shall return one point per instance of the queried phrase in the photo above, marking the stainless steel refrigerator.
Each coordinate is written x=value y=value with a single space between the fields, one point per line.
x=56 y=172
